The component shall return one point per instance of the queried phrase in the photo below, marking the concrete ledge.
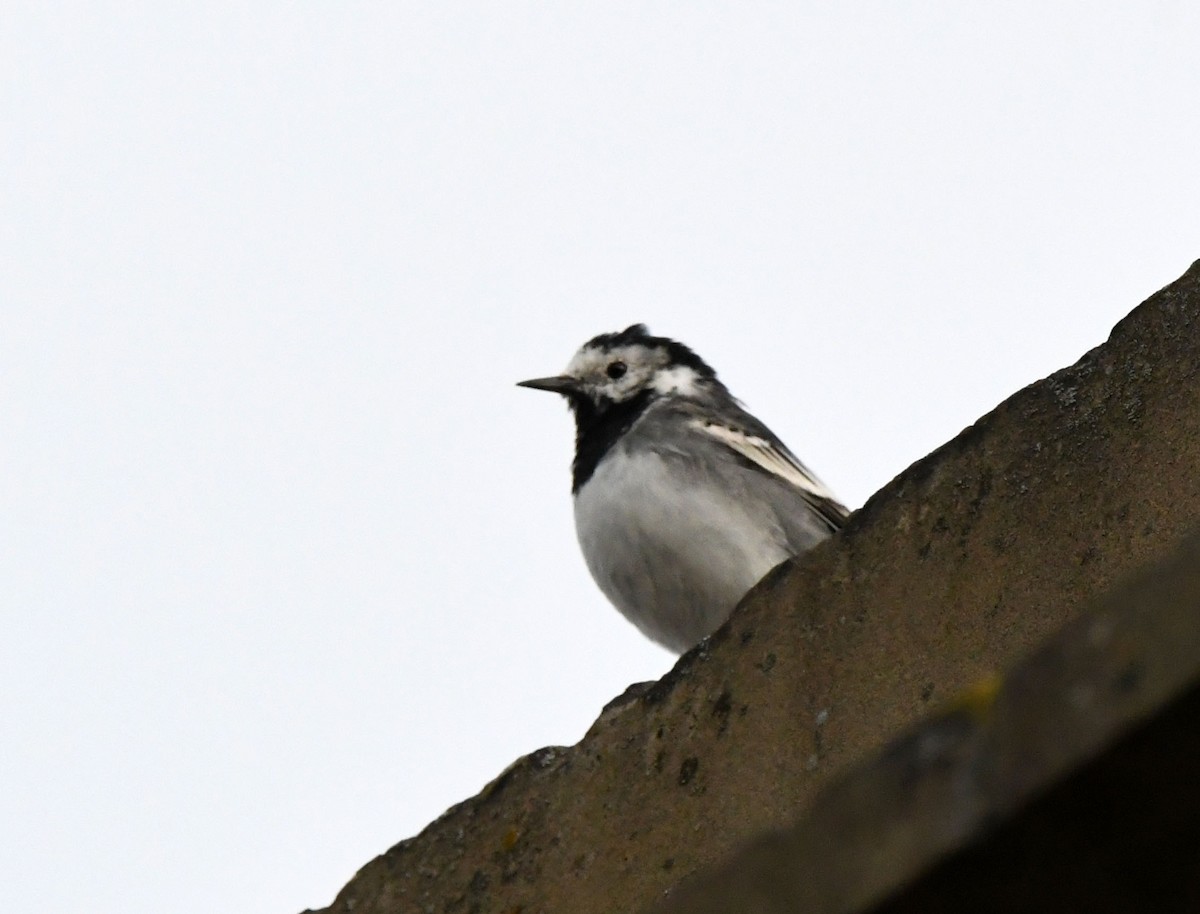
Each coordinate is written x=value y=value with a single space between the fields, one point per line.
x=1069 y=786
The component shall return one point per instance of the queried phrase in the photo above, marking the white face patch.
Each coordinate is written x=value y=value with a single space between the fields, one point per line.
x=679 y=379
x=642 y=367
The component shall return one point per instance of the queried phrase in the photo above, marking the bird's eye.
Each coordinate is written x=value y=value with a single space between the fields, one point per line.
x=615 y=370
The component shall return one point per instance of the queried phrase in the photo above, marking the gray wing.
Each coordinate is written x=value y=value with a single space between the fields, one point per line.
x=749 y=438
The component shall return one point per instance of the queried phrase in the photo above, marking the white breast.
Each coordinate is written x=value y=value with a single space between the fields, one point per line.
x=673 y=553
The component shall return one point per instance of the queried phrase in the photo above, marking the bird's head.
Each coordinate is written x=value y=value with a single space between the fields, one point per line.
x=613 y=369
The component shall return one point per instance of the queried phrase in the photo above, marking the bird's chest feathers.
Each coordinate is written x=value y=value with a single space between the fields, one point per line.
x=646 y=511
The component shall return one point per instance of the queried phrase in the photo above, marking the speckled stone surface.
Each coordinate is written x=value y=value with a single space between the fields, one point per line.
x=1068 y=784
x=952 y=571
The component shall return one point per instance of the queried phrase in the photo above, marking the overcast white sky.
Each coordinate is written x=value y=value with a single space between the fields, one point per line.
x=287 y=563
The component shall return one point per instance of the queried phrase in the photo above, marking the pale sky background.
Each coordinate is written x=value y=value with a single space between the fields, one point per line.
x=287 y=563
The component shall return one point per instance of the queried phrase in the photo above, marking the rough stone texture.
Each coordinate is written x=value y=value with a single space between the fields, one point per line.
x=957 y=567
x=1068 y=786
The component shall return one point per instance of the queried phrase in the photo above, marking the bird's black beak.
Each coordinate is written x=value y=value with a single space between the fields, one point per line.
x=561 y=384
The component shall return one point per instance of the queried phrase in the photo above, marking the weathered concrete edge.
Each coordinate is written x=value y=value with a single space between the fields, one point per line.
x=965 y=770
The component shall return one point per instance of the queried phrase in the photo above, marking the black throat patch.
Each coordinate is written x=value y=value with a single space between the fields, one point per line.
x=598 y=428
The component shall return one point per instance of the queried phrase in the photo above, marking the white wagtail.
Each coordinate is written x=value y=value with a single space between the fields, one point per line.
x=683 y=500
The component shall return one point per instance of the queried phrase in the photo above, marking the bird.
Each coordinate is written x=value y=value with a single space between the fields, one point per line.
x=683 y=500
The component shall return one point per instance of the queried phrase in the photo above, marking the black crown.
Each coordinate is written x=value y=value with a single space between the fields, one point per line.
x=638 y=334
